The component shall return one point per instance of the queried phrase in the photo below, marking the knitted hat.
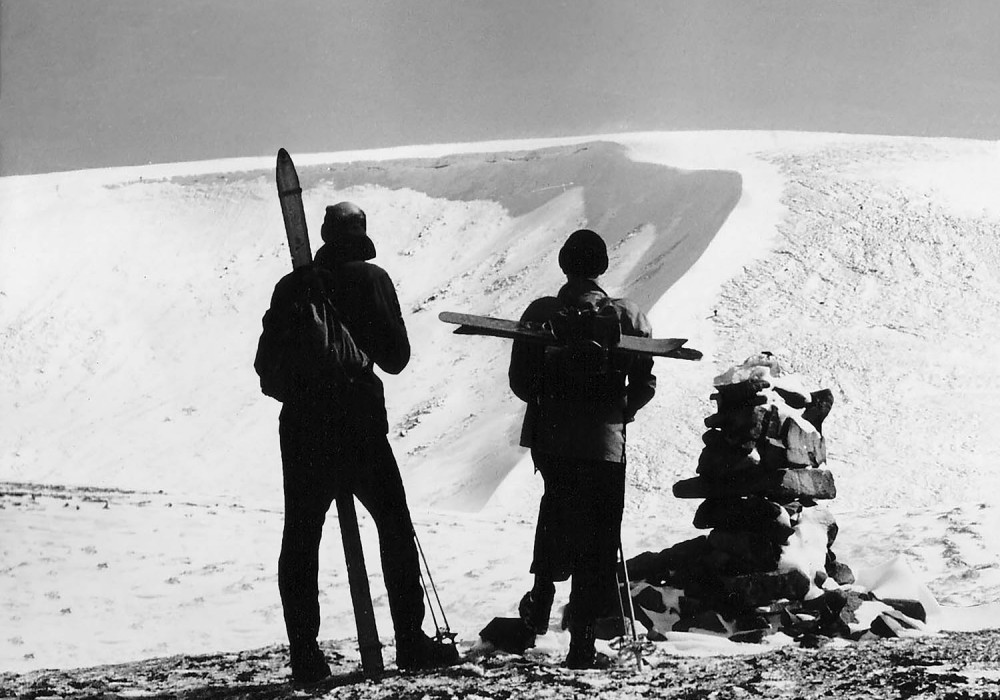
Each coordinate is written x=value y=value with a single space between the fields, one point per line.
x=345 y=229
x=584 y=254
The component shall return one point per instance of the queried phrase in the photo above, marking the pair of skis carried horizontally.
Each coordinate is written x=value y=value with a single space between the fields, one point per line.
x=470 y=324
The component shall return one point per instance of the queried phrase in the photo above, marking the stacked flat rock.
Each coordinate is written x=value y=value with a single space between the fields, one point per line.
x=766 y=563
x=768 y=552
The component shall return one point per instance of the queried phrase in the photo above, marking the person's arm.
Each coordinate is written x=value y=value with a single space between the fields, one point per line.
x=527 y=358
x=391 y=345
x=641 y=385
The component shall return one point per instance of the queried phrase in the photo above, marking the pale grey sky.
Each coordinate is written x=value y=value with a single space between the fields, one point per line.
x=90 y=83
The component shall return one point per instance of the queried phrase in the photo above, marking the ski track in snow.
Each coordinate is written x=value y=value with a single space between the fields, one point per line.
x=131 y=299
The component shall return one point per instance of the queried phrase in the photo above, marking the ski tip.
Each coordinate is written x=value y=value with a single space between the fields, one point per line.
x=685 y=354
x=283 y=155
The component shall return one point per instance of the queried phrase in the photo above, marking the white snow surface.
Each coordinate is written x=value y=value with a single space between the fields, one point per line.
x=130 y=305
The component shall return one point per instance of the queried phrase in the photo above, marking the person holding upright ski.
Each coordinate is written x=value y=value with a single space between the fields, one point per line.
x=333 y=436
x=580 y=398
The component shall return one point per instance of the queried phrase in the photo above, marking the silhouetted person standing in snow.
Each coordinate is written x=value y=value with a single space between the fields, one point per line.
x=336 y=439
x=576 y=432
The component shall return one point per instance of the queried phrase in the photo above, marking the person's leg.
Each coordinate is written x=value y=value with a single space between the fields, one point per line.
x=535 y=606
x=602 y=496
x=308 y=493
x=552 y=554
x=298 y=568
x=584 y=584
x=379 y=487
x=609 y=505
x=559 y=514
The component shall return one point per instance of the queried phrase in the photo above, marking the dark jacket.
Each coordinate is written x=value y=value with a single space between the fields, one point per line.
x=366 y=299
x=592 y=430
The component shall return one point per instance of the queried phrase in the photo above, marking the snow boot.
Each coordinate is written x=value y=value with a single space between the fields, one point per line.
x=420 y=652
x=582 y=652
x=536 y=605
x=509 y=634
x=308 y=663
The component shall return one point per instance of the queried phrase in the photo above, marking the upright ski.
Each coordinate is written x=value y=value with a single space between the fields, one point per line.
x=290 y=197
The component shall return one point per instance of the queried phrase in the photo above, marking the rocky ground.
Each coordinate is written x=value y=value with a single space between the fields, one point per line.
x=950 y=666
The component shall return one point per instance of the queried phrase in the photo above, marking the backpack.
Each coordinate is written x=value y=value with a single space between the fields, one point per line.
x=305 y=348
x=581 y=367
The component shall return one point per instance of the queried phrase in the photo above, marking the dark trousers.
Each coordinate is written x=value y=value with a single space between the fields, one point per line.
x=318 y=460
x=579 y=529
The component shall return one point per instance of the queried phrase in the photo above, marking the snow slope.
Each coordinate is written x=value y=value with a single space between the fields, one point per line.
x=130 y=303
x=134 y=368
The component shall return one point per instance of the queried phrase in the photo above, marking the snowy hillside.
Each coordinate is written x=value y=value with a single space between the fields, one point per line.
x=133 y=308
x=130 y=304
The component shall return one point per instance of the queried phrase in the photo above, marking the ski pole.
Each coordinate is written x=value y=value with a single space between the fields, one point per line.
x=430 y=606
x=444 y=618
x=621 y=605
x=636 y=646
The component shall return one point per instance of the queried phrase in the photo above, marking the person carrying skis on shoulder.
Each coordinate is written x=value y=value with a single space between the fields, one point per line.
x=579 y=400
x=333 y=436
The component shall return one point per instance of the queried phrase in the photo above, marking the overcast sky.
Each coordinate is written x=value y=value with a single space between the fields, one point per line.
x=91 y=83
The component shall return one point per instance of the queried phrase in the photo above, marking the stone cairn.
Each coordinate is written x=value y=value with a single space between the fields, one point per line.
x=767 y=562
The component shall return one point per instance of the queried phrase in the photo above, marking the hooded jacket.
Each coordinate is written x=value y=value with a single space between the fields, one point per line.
x=591 y=430
x=365 y=297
